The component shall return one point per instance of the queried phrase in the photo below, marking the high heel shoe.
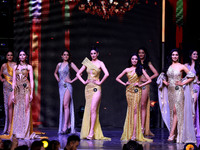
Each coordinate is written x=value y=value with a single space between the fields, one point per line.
x=90 y=137
x=63 y=132
x=68 y=130
x=171 y=138
x=143 y=129
x=133 y=138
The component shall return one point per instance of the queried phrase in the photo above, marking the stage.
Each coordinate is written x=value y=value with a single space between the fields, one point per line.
x=160 y=140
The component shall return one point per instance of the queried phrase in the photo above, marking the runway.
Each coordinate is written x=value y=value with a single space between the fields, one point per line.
x=159 y=140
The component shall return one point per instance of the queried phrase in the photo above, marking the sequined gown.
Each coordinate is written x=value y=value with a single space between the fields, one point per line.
x=7 y=89
x=133 y=96
x=63 y=86
x=185 y=129
x=196 y=108
x=90 y=89
x=147 y=130
x=22 y=119
x=22 y=125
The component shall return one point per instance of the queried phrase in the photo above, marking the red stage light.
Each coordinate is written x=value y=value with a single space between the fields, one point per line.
x=152 y=103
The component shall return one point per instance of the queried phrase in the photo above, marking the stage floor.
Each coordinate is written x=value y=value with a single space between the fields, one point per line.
x=159 y=140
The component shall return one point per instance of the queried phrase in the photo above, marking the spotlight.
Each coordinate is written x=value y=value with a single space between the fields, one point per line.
x=190 y=146
x=45 y=143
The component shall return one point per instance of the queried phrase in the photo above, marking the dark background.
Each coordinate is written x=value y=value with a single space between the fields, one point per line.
x=118 y=38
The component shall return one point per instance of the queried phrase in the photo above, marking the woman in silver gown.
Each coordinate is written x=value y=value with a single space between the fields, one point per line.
x=178 y=116
x=194 y=66
x=62 y=75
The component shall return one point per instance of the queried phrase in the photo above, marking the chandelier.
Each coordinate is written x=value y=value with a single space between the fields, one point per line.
x=106 y=8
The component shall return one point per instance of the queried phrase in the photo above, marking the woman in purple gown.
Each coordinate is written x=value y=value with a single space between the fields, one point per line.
x=194 y=67
x=62 y=75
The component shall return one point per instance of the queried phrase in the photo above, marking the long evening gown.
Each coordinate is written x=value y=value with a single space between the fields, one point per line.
x=196 y=108
x=7 y=89
x=133 y=96
x=22 y=119
x=22 y=125
x=90 y=89
x=147 y=130
x=179 y=97
x=63 y=86
x=176 y=98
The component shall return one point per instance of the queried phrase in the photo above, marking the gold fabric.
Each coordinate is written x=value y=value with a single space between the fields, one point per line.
x=133 y=95
x=176 y=99
x=90 y=89
x=7 y=89
x=147 y=130
x=22 y=120
x=147 y=121
x=7 y=137
x=22 y=116
x=10 y=74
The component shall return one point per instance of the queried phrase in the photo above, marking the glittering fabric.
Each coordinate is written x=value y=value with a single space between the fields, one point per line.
x=176 y=99
x=7 y=88
x=90 y=89
x=147 y=120
x=22 y=124
x=196 y=88
x=181 y=98
x=63 y=86
x=133 y=101
x=163 y=100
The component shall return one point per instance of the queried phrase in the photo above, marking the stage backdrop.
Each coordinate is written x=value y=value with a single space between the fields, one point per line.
x=117 y=37
x=44 y=28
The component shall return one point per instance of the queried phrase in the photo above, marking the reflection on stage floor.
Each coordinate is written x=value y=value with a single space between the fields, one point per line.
x=159 y=140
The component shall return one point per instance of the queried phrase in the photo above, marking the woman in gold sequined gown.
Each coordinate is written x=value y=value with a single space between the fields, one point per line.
x=22 y=95
x=145 y=99
x=91 y=128
x=132 y=126
x=181 y=126
x=7 y=72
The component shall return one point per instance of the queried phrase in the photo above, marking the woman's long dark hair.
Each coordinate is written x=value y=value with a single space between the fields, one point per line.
x=147 y=59
x=18 y=61
x=169 y=60
x=94 y=48
x=197 y=66
x=7 y=54
x=138 y=66
x=70 y=57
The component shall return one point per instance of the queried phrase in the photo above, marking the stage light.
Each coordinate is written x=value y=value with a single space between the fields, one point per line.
x=190 y=146
x=45 y=143
x=152 y=103
x=3 y=44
